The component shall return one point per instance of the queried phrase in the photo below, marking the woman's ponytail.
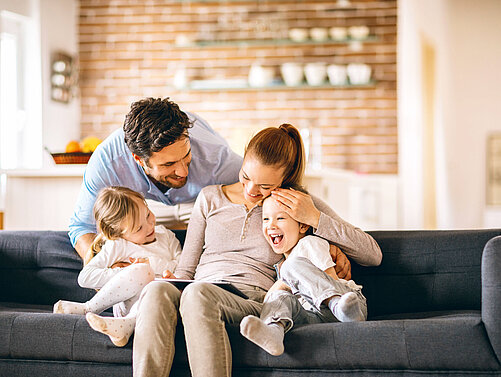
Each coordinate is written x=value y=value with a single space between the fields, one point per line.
x=283 y=147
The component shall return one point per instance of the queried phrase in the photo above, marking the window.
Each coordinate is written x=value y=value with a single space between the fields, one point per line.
x=20 y=93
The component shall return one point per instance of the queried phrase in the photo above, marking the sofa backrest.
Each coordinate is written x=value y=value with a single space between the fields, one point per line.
x=41 y=267
x=421 y=270
x=425 y=271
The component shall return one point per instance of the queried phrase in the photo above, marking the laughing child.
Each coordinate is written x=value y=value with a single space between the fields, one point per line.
x=308 y=289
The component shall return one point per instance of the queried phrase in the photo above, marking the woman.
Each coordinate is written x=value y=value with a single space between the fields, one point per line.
x=225 y=242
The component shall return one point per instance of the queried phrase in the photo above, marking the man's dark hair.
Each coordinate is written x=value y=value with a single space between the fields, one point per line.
x=152 y=124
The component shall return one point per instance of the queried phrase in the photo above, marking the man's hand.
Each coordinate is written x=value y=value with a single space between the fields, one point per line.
x=343 y=265
x=83 y=244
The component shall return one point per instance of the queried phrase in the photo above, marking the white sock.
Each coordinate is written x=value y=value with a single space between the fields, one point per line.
x=347 y=308
x=268 y=337
x=69 y=307
x=118 y=329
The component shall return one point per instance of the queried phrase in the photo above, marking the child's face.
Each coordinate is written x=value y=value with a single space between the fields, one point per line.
x=280 y=230
x=145 y=227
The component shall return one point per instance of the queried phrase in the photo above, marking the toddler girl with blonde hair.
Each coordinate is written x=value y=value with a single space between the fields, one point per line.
x=128 y=253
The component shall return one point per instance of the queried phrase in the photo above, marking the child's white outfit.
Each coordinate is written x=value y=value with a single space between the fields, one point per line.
x=120 y=287
x=303 y=272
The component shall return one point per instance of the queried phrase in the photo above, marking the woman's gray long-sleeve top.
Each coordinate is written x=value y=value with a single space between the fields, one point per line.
x=225 y=241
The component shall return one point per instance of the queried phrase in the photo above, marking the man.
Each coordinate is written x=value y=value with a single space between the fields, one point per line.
x=162 y=152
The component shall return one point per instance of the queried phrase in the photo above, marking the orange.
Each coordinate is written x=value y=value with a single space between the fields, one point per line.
x=73 y=146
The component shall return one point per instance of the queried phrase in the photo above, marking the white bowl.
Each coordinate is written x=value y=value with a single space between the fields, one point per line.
x=298 y=34
x=359 y=74
x=337 y=74
x=338 y=33
x=319 y=34
x=315 y=73
x=292 y=73
x=358 y=32
x=260 y=76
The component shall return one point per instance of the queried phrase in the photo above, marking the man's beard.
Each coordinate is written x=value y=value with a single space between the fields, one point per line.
x=164 y=184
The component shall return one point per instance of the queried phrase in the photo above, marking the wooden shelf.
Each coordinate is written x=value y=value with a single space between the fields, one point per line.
x=277 y=86
x=275 y=42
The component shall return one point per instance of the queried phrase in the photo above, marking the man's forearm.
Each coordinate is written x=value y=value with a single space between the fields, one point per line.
x=83 y=244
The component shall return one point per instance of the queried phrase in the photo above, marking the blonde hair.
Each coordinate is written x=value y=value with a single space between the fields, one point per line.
x=116 y=212
x=282 y=147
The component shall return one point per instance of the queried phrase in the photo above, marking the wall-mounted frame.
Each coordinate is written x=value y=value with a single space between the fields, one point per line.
x=63 y=77
x=494 y=170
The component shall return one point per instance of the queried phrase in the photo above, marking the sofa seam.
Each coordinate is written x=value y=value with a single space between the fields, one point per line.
x=404 y=330
x=335 y=347
x=72 y=353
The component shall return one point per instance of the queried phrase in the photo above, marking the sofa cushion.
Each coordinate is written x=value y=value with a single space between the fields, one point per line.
x=436 y=341
x=448 y=342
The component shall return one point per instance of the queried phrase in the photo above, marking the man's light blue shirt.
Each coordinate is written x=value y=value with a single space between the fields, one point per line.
x=112 y=164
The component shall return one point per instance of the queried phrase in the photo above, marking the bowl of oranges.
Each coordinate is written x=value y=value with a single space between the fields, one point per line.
x=77 y=152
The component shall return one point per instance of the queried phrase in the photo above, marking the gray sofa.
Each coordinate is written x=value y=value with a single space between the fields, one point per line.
x=434 y=309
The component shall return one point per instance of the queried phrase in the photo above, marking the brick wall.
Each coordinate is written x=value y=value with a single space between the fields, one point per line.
x=131 y=49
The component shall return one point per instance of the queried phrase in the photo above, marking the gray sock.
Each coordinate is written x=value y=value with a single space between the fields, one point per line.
x=268 y=337
x=347 y=308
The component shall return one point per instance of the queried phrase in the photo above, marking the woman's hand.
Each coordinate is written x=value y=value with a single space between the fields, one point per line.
x=298 y=205
x=343 y=265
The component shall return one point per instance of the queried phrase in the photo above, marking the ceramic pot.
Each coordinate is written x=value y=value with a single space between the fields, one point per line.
x=260 y=76
x=338 y=33
x=315 y=73
x=359 y=74
x=292 y=73
x=337 y=74
x=319 y=34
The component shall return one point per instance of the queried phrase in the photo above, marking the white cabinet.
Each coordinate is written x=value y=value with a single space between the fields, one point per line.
x=368 y=201
x=41 y=199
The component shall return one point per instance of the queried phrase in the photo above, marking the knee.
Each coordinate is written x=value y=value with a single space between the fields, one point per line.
x=158 y=291
x=140 y=273
x=197 y=299
x=294 y=267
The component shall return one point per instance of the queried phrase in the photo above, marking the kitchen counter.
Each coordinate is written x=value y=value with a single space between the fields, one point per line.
x=70 y=170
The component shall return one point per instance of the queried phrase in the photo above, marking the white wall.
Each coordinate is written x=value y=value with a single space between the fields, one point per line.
x=59 y=32
x=467 y=38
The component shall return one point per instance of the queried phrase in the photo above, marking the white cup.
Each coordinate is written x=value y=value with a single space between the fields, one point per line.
x=319 y=34
x=315 y=73
x=338 y=33
x=260 y=76
x=358 y=73
x=337 y=74
x=298 y=34
x=358 y=32
x=292 y=73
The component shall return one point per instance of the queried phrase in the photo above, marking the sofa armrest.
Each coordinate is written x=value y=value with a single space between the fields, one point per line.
x=491 y=292
x=39 y=267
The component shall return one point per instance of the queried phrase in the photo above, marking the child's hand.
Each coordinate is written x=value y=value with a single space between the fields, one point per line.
x=168 y=275
x=139 y=260
x=120 y=264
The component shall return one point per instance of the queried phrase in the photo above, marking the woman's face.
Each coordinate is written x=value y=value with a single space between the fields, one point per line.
x=258 y=180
